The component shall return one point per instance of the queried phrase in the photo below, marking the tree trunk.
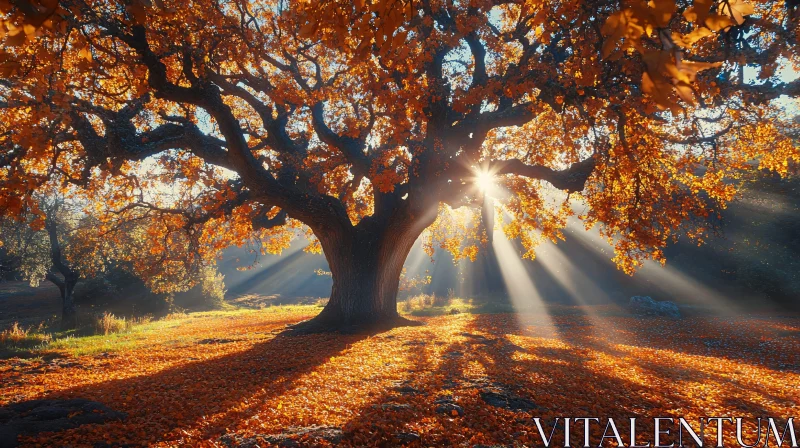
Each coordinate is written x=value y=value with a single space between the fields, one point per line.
x=66 y=287
x=366 y=262
x=69 y=316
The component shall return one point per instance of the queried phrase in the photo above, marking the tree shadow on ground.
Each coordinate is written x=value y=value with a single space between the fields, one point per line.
x=209 y=395
x=487 y=370
x=461 y=380
x=495 y=395
x=760 y=341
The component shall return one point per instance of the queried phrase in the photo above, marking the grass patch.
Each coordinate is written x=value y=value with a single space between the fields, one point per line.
x=19 y=341
x=429 y=305
x=131 y=337
x=492 y=308
x=107 y=323
x=108 y=333
x=141 y=334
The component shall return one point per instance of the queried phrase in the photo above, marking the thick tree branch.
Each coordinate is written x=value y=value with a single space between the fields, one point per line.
x=207 y=96
x=766 y=92
x=352 y=148
x=479 y=55
x=54 y=279
x=470 y=134
x=263 y=222
x=312 y=208
x=122 y=142
x=571 y=179
x=263 y=110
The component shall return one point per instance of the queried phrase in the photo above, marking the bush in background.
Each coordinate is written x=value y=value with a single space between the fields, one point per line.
x=108 y=323
x=122 y=293
x=212 y=284
x=762 y=278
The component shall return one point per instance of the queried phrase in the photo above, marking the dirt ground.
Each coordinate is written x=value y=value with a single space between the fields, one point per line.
x=28 y=306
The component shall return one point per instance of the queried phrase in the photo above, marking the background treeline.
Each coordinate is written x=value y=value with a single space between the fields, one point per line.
x=98 y=267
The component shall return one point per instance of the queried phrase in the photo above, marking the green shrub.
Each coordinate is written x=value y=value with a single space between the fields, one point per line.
x=213 y=287
x=119 y=290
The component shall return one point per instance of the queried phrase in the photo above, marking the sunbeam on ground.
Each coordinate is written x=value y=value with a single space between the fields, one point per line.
x=521 y=290
x=466 y=379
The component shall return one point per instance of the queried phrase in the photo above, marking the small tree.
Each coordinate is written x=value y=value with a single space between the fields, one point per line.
x=55 y=243
x=27 y=249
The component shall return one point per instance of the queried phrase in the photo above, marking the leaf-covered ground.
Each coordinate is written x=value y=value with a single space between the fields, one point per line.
x=197 y=379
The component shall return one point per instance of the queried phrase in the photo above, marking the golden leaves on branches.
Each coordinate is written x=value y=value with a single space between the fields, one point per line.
x=646 y=27
x=457 y=231
x=668 y=74
x=402 y=84
x=365 y=23
x=25 y=19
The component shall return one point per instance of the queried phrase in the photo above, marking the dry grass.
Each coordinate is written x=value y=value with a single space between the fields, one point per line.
x=18 y=338
x=434 y=305
x=108 y=323
x=177 y=315
x=13 y=334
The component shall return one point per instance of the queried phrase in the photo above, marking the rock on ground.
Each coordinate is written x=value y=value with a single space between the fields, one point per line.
x=446 y=405
x=501 y=398
x=404 y=438
x=291 y=437
x=645 y=305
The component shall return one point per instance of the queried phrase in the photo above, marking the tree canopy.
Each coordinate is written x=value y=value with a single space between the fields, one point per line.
x=232 y=119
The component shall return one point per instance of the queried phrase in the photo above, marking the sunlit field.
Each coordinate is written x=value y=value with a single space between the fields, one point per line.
x=223 y=378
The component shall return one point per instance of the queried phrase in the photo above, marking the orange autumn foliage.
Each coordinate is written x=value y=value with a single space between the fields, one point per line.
x=242 y=122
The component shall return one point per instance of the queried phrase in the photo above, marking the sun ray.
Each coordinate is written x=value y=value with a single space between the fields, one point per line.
x=524 y=294
x=666 y=279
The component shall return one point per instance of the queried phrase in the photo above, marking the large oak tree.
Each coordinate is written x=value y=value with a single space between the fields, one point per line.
x=369 y=121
